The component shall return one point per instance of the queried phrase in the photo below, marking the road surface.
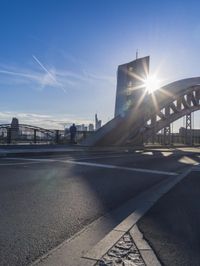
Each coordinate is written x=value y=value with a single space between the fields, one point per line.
x=45 y=200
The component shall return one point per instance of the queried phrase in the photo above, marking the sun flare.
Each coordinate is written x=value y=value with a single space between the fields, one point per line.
x=152 y=83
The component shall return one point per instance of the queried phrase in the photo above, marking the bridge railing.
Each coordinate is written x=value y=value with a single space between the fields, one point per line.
x=174 y=139
x=26 y=134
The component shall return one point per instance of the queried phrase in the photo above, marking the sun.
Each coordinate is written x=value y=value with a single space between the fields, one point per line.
x=152 y=83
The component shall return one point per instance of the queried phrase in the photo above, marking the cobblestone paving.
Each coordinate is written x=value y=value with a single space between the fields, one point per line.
x=124 y=253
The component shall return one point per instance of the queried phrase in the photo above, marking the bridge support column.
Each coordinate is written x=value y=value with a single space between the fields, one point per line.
x=188 y=132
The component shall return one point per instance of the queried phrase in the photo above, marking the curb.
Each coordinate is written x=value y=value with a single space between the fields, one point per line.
x=143 y=247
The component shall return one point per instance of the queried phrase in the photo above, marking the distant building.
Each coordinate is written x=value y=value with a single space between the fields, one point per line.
x=97 y=122
x=91 y=127
x=84 y=128
x=14 y=128
x=66 y=131
x=81 y=127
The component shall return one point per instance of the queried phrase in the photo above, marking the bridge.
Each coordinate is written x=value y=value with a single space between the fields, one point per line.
x=141 y=116
x=23 y=133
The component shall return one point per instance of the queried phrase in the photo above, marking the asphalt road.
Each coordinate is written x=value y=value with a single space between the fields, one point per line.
x=45 y=200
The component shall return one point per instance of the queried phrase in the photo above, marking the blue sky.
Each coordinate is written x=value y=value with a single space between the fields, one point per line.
x=58 y=59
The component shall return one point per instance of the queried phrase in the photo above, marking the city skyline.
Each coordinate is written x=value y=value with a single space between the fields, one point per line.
x=58 y=61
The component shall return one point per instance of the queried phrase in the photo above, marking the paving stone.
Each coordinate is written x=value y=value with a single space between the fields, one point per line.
x=129 y=263
x=123 y=253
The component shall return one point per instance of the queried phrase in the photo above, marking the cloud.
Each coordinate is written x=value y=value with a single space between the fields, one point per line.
x=17 y=76
x=42 y=120
x=39 y=76
x=14 y=75
x=23 y=76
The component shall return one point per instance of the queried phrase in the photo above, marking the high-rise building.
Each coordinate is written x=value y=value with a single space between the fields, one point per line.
x=130 y=84
x=97 y=122
x=14 y=128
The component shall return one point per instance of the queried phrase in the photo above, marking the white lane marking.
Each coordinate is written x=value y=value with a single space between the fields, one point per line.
x=166 y=153
x=28 y=159
x=7 y=164
x=71 y=158
x=196 y=168
x=188 y=160
x=102 y=157
x=108 y=166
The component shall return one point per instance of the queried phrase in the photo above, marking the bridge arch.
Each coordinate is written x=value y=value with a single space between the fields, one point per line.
x=176 y=106
x=167 y=105
x=153 y=113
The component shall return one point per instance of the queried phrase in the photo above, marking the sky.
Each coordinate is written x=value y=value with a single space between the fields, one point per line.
x=58 y=59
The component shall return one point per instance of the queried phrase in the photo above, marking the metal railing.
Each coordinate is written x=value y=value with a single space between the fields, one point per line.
x=27 y=134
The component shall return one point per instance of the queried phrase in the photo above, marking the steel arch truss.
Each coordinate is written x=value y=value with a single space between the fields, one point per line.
x=180 y=105
x=29 y=127
x=24 y=132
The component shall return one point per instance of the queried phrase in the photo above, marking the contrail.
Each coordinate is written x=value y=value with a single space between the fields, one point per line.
x=44 y=68
x=18 y=74
x=49 y=73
